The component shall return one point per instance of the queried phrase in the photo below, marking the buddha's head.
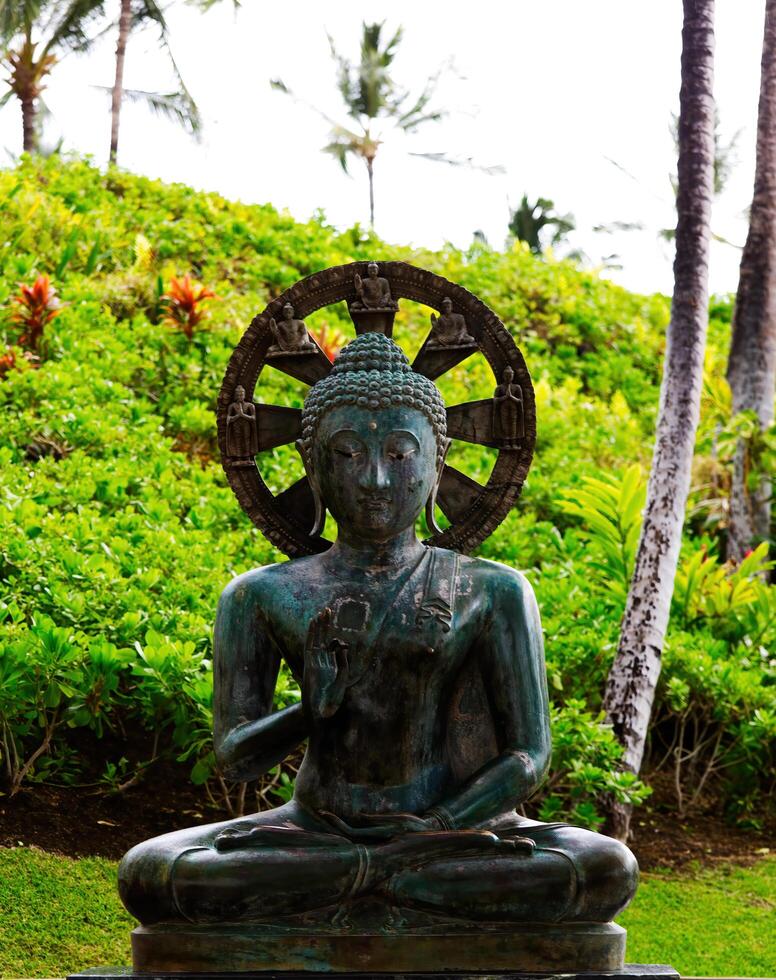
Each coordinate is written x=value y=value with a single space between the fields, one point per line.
x=447 y=305
x=372 y=270
x=373 y=440
x=288 y=312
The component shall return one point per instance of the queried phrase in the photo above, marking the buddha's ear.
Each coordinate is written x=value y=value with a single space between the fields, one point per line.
x=320 y=510
x=431 y=502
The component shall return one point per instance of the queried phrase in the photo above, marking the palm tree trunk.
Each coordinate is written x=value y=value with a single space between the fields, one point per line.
x=369 y=170
x=630 y=687
x=29 y=124
x=751 y=369
x=125 y=25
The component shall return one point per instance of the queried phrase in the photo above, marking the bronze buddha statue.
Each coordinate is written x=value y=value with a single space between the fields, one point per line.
x=397 y=647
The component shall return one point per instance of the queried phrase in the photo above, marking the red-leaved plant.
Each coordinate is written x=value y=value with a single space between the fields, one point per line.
x=8 y=361
x=329 y=339
x=181 y=304
x=36 y=306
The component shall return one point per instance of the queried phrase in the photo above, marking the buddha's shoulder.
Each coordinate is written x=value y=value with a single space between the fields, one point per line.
x=268 y=579
x=494 y=579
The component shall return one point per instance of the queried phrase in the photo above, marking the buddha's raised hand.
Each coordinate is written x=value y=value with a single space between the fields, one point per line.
x=326 y=667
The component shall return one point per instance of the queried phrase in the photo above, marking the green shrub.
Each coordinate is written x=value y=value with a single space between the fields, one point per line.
x=118 y=531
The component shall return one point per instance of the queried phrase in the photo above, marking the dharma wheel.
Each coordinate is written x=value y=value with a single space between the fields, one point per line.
x=249 y=427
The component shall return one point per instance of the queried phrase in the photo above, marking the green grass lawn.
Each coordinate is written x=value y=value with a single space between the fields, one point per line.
x=717 y=922
x=59 y=915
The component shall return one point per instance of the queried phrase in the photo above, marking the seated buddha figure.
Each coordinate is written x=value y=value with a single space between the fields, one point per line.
x=374 y=292
x=401 y=650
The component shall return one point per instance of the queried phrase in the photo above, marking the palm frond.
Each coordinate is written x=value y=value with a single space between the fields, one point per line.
x=205 y=5
x=189 y=106
x=340 y=153
x=468 y=162
x=344 y=71
x=16 y=16
x=175 y=106
x=280 y=86
x=410 y=119
x=374 y=91
x=617 y=226
x=72 y=25
x=389 y=51
x=149 y=11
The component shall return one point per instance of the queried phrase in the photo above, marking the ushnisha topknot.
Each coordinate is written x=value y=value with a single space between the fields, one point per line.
x=373 y=372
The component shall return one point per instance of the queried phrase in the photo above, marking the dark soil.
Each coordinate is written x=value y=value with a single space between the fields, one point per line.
x=87 y=821
x=663 y=839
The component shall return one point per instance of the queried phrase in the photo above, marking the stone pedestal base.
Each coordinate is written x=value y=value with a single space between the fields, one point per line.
x=635 y=971
x=547 y=948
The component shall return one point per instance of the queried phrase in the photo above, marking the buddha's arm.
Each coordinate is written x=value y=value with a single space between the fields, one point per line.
x=511 y=659
x=249 y=739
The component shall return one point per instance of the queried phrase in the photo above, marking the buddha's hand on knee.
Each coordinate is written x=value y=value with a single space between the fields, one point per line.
x=232 y=840
x=523 y=845
x=273 y=837
x=326 y=667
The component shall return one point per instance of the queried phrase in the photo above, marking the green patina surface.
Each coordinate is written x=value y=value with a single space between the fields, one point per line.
x=424 y=709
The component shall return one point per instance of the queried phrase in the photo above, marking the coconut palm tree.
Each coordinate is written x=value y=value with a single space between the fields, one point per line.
x=34 y=36
x=177 y=105
x=370 y=93
x=630 y=688
x=751 y=368
x=528 y=222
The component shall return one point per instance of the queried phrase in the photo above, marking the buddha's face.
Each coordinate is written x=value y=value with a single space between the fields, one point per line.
x=372 y=270
x=447 y=306
x=375 y=468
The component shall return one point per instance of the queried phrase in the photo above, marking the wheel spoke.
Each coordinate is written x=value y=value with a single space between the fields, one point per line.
x=297 y=504
x=307 y=368
x=472 y=422
x=277 y=426
x=457 y=492
x=434 y=361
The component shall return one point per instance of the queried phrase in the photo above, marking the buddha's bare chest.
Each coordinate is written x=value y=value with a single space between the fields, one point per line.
x=401 y=635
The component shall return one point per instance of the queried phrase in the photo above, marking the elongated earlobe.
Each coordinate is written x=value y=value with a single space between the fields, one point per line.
x=431 y=502
x=320 y=511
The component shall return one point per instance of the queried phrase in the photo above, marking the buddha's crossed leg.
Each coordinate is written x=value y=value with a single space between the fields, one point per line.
x=286 y=861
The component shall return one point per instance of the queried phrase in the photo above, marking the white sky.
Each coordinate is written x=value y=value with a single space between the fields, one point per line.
x=550 y=89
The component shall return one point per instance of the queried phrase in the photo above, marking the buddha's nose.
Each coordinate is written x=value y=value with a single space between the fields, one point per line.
x=374 y=475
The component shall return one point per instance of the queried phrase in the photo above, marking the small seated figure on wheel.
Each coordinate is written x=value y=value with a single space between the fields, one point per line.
x=424 y=706
x=449 y=329
x=374 y=292
x=290 y=335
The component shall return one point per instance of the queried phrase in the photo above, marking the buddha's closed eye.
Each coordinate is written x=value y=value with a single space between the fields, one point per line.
x=347 y=445
x=400 y=445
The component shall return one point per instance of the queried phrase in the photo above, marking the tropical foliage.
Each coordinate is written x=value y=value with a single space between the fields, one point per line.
x=118 y=531
x=34 y=36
